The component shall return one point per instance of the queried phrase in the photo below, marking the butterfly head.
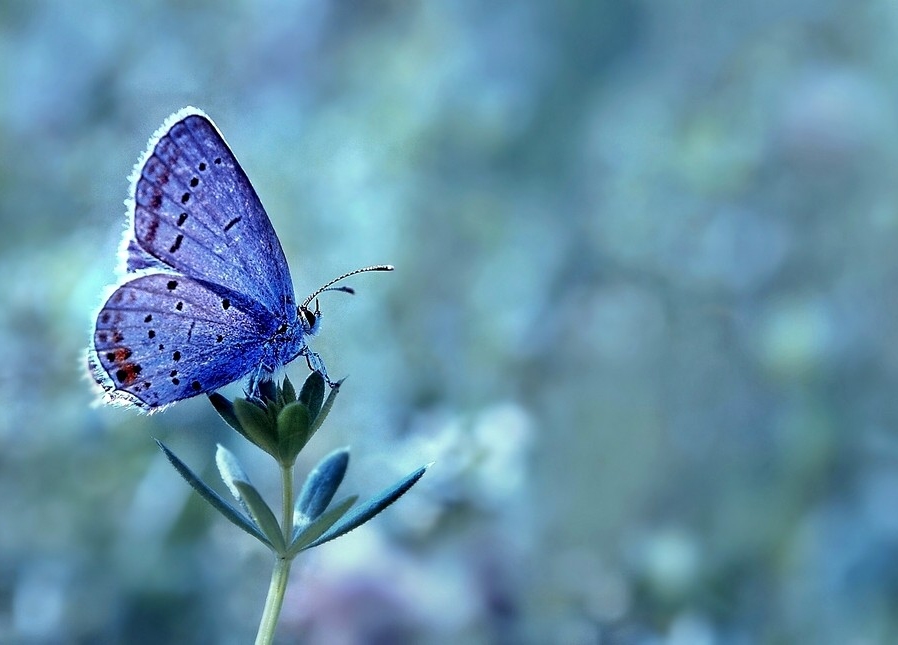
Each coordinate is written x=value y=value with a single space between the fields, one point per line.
x=310 y=320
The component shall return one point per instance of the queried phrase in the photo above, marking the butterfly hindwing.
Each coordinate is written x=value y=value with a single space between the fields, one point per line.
x=161 y=338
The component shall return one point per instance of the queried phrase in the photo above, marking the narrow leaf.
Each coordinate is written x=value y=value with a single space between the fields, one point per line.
x=230 y=470
x=267 y=390
x=371 y=508
x=303 y=536
x=257 y=427
x=321 y=485
x=289 y=392
x=293 y=431
x=213 y=498
x=262 y=514
x=325 y=409
x=312 y=393
x=225 y=410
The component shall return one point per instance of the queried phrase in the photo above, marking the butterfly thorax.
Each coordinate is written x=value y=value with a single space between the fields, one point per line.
x=289 y=338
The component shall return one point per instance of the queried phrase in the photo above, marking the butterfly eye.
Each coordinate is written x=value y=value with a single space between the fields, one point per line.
x=308 y=317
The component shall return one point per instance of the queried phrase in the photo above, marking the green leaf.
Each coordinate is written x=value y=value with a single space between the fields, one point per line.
x=225 y=410
x=213 y=498
x=326 y=408
x=231 y=471
x=242 y=488
x=267 y=391
x=229 y=467
x=321 y=485
x=257 y=425
x=288 y=391
x=293 y=432
x=262 y=514
x=312 y=393
x=371 y=508
x=304 y=536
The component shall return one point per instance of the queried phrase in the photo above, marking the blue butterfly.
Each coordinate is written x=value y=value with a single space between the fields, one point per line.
x=207 y=296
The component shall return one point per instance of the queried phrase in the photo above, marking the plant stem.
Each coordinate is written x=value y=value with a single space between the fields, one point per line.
x=287 y=497
x=278 y=587
x=274 y=601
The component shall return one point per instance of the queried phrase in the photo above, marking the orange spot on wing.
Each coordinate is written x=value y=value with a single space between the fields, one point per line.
x=127 y=373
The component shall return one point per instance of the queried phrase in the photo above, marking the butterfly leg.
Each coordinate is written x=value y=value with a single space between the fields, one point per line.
x=258 y=379
x=317 y=365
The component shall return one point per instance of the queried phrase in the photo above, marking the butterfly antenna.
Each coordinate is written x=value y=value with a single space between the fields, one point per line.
x=329 y=286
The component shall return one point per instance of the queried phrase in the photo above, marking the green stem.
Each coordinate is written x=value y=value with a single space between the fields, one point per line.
x=278 y=587
x=287 y=497
x=274 y=601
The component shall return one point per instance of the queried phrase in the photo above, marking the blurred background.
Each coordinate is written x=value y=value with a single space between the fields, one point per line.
x=644 y=318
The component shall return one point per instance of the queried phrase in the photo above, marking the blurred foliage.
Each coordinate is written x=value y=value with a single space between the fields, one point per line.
x=641 y=317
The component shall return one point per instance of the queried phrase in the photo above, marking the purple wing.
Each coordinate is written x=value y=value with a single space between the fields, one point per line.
x=162 y=338
x=196 y=212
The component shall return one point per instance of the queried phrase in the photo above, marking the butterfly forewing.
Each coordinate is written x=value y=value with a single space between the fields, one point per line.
x=196 y=212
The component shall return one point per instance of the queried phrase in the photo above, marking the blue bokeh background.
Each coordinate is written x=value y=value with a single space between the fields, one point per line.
x=644 y=318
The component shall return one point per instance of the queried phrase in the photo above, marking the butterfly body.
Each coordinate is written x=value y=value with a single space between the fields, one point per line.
x=207 y=296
